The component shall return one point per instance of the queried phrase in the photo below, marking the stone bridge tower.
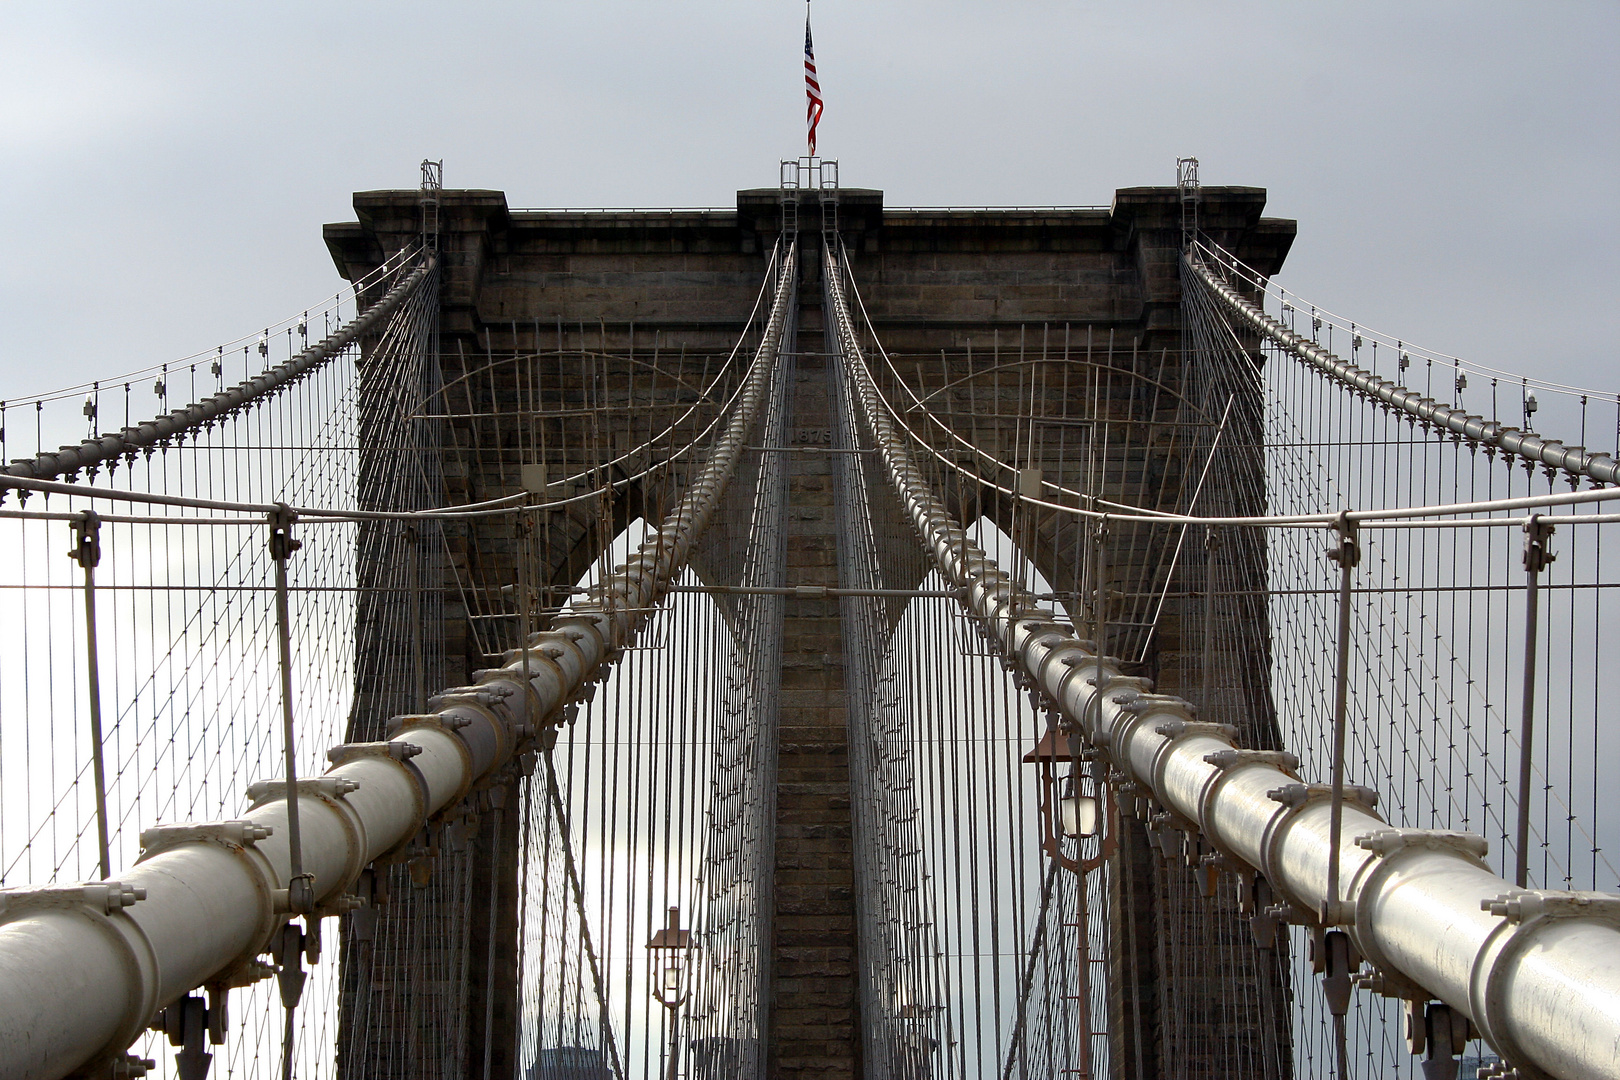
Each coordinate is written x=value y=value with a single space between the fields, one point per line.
x=956 y=296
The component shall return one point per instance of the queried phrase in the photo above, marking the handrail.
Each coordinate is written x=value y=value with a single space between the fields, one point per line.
x=1575 y=460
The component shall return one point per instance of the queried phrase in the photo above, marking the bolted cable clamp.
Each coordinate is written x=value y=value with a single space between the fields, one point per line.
x=86 y=550
x=248 y=973
x=1231 y=759
x=1248 y=887
x=101 y=897
x=298 y=898
x=236 y=834
x=398 y=751
x=282 y=544
x=1135 y=704
x=288 y=949
x=1389 y=984
x=188 y=1023
x=1386 y=842
x=1296 y=795
x=471 y=695
x=396 y=724
x=1160 y=829
x=1443 y=1032
x=1211 y=865
x=370 y=893
x=124 y=1067
x=327 y=787
x=1521 y=906
x=1269 y=914
x=1347 y=552
x=1334 y=956
x=1537 y=556
x=341 y=904
x=1188 y=729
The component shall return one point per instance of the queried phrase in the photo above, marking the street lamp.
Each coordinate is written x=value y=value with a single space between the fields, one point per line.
x=1077 y=814
x=1059 y=816
x=1067 y=814
x=666 y=962
x=666 y=976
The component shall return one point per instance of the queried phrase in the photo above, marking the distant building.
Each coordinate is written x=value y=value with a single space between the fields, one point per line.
x=569 y=1063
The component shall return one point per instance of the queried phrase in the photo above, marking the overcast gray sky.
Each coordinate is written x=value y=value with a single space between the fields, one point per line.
x=1455 y=167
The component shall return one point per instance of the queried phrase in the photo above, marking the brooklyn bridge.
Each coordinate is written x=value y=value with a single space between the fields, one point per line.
x=812 y=638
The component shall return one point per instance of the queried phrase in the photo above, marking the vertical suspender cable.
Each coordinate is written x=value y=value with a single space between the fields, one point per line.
x=414 y=584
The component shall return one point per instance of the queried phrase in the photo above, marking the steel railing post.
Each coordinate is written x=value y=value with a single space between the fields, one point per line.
x=300 y=886
x=1347 y=554
x=1212 y=543
x=87 y=553
x=1536 y=559
x=419 y=693
x=1099 y=611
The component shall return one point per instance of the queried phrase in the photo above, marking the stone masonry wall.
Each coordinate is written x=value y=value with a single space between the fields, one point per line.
x=815 y=1013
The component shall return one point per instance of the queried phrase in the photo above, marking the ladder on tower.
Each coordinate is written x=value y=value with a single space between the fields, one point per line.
x=1187 y=189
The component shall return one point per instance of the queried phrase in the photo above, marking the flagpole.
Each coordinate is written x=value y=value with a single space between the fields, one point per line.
x=812 y=87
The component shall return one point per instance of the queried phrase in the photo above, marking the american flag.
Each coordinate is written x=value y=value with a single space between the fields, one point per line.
x=812 y=89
